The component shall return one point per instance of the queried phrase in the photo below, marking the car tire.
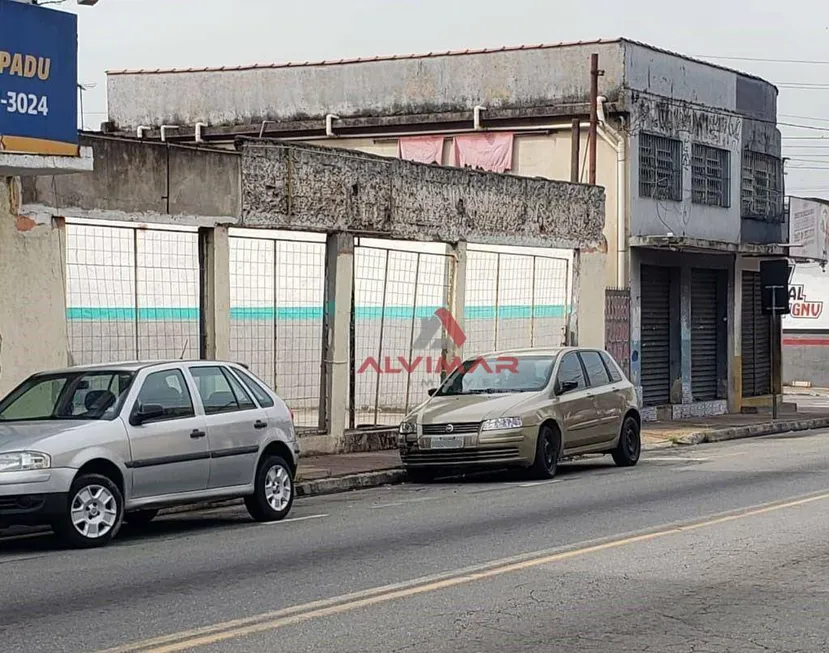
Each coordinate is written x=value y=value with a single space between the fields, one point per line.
x=93 y=513
x=274 y=490
x=547 y=449
x=140 y=517
x=629 y=448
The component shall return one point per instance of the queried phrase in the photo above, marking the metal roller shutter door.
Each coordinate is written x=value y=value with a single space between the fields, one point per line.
x=704 y=334
x=656 y=335
x=756 y=339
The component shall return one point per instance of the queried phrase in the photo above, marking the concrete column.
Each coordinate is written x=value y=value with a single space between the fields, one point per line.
x=336 y=372
x=735 y=338
x=685 y=327
x=456 y=295
x=214 y=261
x=636 y=322
x=587 y=318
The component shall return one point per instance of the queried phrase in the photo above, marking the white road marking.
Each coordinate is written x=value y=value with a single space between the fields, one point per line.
x=537 y=483
x=293 y=519
x=403 y=502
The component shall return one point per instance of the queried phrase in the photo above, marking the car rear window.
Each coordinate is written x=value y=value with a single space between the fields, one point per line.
x=254 y=387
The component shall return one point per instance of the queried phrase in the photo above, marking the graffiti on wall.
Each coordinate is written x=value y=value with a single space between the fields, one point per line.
x=685 y=121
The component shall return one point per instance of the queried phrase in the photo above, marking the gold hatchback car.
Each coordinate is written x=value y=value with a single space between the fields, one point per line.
x=525 y=408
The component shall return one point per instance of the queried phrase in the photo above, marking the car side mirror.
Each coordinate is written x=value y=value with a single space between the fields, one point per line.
x=563 y=387
x=432 y=391
x=145 y=413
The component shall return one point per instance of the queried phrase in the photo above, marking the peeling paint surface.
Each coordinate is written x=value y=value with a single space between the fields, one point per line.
x=322 y=189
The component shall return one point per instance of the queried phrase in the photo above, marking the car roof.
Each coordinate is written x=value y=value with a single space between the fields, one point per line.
x=529 y=351
x=135 y=366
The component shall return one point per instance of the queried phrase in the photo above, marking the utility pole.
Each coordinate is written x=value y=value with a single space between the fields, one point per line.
x=575 y=145
x=595 y=73
x=773 y=341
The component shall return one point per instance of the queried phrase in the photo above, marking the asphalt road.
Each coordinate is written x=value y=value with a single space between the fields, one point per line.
x=713 y=548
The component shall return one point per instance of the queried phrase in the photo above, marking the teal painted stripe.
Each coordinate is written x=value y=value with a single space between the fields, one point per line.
x=128 y=314
x=298 y=313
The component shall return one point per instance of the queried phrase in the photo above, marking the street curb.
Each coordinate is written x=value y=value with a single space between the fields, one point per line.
x=751 y=431
x=336 y=484
x=393 y=476
x=319 y=487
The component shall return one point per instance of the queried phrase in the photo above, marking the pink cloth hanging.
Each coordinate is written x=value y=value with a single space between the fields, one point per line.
x=490 y=151
x=421 y=149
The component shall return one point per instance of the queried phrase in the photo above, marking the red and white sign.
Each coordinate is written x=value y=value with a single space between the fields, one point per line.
x=808 y=294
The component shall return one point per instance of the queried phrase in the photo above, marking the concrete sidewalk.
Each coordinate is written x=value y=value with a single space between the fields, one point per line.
x=337 y=473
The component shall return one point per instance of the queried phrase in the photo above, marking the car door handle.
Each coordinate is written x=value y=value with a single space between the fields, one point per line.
x=259 y=424
x=196 y=434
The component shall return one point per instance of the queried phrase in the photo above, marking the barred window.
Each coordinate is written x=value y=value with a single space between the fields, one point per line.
x=710 y=176
x=660 y=167
x=761 y=190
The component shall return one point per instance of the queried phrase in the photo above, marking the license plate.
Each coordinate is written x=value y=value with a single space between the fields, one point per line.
x=447 y=443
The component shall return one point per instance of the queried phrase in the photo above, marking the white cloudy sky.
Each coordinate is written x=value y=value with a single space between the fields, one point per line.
x=181 y=33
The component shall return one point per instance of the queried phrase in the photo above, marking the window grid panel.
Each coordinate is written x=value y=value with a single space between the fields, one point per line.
x=515 y=301
x=396 y=331
x=710 y=176
x=761 y=191
x=277 y=291
x=131 y=293
x=168 y=295
x=660 y=167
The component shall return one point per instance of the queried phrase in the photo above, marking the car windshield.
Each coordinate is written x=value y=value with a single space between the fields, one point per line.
x=501 y=374
x=68 y=396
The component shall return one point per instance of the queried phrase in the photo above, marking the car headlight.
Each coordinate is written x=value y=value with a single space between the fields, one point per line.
x=407 y=428
x=502 y=423
x=23 y=461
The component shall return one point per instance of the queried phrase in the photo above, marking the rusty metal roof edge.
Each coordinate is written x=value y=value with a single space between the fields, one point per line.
x=392 y=57
x=429 y=55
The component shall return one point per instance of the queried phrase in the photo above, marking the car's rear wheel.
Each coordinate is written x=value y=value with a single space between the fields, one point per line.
x=274 y=491
x=93 y=513
x=629 y=449
x=547 y=450
x=140 y=517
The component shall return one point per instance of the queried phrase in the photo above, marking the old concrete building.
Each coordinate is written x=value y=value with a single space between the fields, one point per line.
x=689 y=154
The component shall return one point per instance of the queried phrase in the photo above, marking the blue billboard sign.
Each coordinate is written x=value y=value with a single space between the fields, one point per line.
x=38 y=80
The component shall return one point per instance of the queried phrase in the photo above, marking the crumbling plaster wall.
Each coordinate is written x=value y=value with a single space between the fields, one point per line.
x=313 y=188
x=32 y=291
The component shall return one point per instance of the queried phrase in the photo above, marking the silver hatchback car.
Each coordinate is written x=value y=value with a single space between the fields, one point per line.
x=85 y=448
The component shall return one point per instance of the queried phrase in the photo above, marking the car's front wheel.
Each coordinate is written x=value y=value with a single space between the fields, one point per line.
x=547 y=451
x=629 y=448
x=274 y=491
x=93 y=513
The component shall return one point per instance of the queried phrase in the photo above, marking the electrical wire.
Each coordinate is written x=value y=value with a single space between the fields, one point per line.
x=815 y=62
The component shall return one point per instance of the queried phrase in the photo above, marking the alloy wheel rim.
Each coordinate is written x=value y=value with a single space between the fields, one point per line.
x=93 y=511
x=278 y=488
x=632 y=442
x=549 y=454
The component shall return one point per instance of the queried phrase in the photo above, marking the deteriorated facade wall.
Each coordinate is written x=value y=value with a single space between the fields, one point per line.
x=320 y=189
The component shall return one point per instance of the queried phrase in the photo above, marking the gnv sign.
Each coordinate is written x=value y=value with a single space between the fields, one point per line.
x=808 y=291
x=38 y=80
